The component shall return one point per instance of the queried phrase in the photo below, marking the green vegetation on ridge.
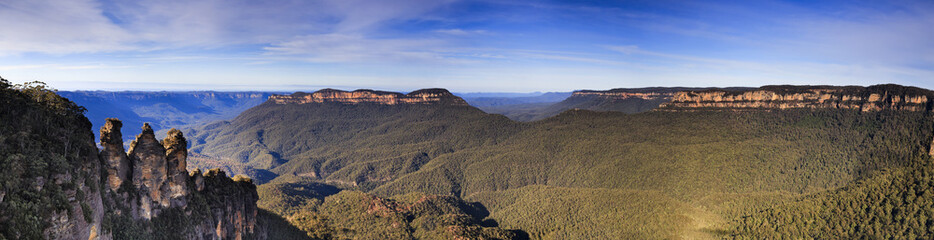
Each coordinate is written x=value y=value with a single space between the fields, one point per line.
x=45 y=170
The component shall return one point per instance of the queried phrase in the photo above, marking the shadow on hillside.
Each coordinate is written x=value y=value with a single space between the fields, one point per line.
x=480 y=214
x=521 y=235
x=276 y=227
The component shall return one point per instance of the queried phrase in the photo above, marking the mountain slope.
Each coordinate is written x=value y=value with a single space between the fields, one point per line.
x=341 y=142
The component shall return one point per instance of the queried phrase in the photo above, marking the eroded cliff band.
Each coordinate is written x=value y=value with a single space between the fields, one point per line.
x=872 y=98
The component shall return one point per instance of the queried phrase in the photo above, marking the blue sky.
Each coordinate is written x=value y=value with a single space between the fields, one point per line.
x=465 y=46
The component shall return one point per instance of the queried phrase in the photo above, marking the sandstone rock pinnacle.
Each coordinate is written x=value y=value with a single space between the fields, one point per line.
x=149 y=171
x=156 y=180
x=118 y=165
x=176 y=155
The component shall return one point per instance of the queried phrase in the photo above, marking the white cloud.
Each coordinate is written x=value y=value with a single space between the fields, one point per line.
x=59 y=27
x=91 y=66
x=361 y=15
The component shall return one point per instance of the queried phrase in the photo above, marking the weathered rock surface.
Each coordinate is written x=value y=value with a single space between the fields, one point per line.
x=423 y=96
x=149 y=172
x=176 y=155
x=162 y=183
x=872 y=98
x=236 y=215
x=113 y=154
x=84 y=222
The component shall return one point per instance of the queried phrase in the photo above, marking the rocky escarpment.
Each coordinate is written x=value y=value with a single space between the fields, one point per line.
x=423 y=96
x=872 y=98
x=150 y=185
x=626 y=100
x=866 y=99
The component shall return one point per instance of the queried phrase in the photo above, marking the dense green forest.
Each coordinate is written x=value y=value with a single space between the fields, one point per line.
x=46 y=172
x=581 y=174
x=890 y=204
x=325 y=213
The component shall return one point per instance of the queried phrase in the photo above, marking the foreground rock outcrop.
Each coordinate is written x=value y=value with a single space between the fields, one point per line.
x=150 y=185
x=872 y=98
x=423 y=96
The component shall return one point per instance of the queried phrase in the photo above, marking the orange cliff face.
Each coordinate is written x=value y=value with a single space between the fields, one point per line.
x=424 y=96
x=873 y=98
x=649 y=93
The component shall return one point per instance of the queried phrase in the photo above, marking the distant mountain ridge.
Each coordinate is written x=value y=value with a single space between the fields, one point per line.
x=163 y=110
x=494 y=101
x=328 y=95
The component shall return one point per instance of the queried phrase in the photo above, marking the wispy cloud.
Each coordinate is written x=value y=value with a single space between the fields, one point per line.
x=460 y=32
x=354 y=48
x=356 y=16
x=88 y=26
x=62 y=67
x=91 y=66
